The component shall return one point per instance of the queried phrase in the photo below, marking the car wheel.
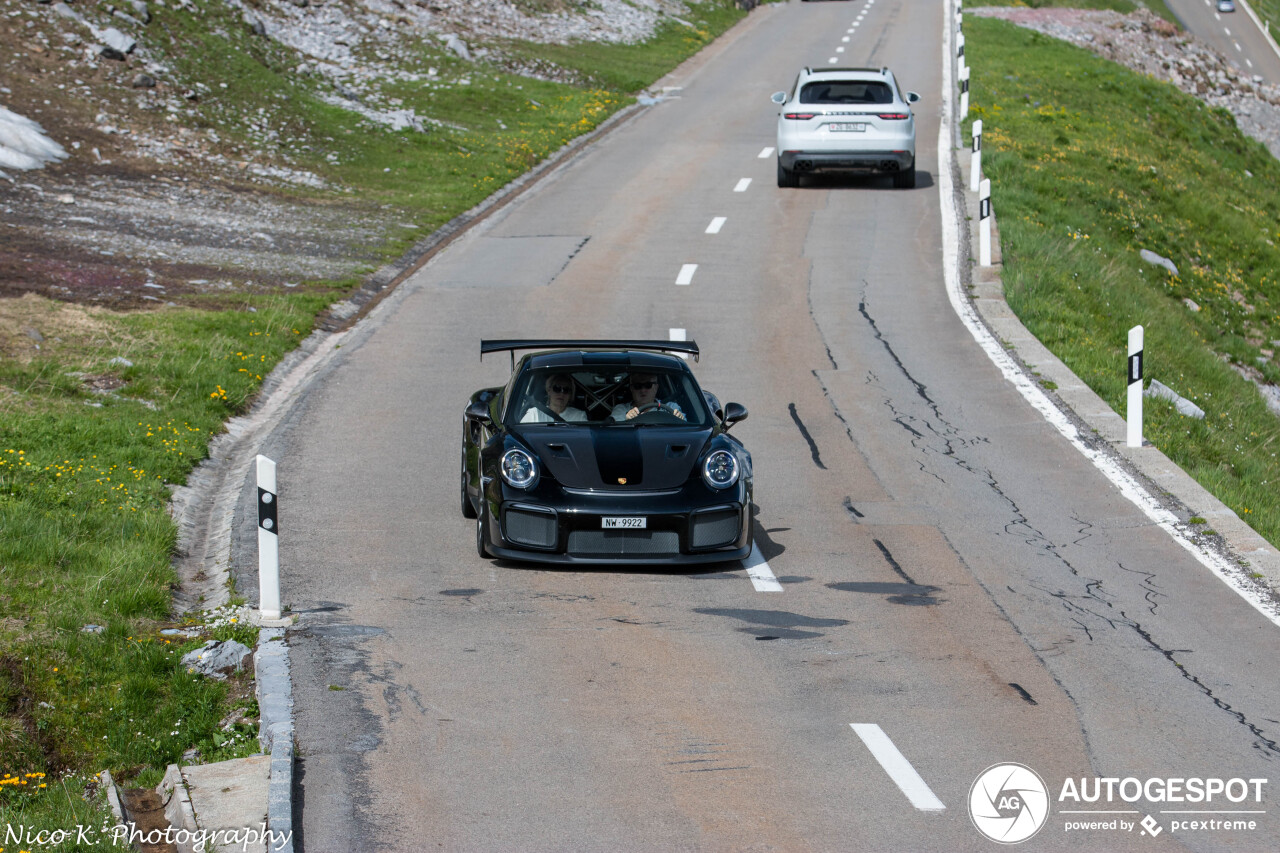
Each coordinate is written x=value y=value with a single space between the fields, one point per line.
x=468 y=508
x=786 y=177
x=905 y=179
x=482 y=531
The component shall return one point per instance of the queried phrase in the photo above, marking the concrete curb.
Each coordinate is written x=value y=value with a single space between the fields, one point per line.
x=275 y=729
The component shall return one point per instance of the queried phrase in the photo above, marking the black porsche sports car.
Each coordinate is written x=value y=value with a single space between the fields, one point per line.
x=604 y=451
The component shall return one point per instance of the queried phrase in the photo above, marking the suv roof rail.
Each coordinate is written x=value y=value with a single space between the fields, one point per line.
x=846 y=69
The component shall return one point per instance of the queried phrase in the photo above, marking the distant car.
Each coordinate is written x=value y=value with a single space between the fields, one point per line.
x=1226 y=5
x=846 y=120
x=573 y=480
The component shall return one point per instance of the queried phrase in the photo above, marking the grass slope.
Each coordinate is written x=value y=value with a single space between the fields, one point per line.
x=1090 y=164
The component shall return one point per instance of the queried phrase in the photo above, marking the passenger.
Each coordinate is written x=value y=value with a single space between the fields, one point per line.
x=559 y=391
x=644 y=397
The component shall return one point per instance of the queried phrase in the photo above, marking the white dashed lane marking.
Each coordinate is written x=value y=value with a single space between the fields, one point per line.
x=678 y=335
x=898 y=768
x=716 y=225
x=742 y=185
x=686 y=274
x=765 y=153
x=758 y=570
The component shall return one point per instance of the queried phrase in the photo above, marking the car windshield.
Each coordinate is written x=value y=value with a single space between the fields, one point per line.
x=846 y=92
x=604 y=395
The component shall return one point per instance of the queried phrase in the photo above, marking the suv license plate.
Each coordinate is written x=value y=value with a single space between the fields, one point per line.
x=633 y=522
x=847 y=126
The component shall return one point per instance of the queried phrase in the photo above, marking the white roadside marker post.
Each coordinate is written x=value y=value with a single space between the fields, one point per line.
x=975 y=163
x=984 y=222
x=268 y=541
x=964 y=89
x=1135 y=387
x=960 y=47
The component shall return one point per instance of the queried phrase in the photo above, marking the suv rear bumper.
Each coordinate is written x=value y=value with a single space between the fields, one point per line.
x=846 y=161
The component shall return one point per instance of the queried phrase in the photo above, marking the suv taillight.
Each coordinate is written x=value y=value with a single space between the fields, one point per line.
x=799 y=116
x=895 y=116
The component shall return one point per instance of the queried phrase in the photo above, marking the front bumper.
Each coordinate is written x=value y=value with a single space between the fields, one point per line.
x=846 y=161
x=691 y=524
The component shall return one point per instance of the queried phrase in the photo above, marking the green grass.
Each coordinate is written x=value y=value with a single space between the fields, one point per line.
x=1089 y=164
x=85 y=477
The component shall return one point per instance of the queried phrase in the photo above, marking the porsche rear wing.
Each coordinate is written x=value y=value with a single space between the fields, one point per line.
x=687 y=347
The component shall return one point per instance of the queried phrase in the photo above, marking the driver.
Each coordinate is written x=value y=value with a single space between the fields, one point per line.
x=644 y=398
x=559 y=388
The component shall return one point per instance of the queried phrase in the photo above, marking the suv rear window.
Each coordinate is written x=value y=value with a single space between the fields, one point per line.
x=846 y=92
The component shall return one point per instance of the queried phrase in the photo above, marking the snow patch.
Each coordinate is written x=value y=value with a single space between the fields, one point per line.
x=23 y=144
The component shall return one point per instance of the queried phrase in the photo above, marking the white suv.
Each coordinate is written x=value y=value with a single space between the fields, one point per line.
x=846 y=120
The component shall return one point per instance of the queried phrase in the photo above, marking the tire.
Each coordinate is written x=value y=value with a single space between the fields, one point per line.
x=786 y=177
x=482 y=531
x=468 y=508
x=906 y=179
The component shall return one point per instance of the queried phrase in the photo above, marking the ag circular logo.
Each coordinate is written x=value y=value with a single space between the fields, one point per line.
x=1008 y=803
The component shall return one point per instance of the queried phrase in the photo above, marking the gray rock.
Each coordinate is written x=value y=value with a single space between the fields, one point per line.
x=34 y=335
x=116 y=45
x=127 y=18
x=144 y=81
x=1184 y=406
x=140 y=11
x=120 y=361
x=218 y=658
x=457 y=46
x=1192 y=304
x=92 y=629
x=67 y=12
x=1156 y=260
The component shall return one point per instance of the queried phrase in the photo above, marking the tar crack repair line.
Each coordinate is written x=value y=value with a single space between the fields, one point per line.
x=813 y=446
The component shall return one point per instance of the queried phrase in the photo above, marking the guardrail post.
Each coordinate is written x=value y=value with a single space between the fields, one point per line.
x=268 y=541
x=1134 y=422
x=984 y=222
x=975 y=163
x=964 y=90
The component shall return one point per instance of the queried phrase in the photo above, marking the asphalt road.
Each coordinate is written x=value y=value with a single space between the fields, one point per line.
x=1233 y=34
x=956 y=580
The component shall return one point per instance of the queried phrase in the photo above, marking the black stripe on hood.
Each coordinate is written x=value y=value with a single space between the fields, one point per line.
x=618 y=455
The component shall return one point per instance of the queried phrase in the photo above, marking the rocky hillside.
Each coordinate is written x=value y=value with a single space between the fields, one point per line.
x=160 y=183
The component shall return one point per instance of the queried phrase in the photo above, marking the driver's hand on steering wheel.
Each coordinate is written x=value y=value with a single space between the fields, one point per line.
x=635 y=410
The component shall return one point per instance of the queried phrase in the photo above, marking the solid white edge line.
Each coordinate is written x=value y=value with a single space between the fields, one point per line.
x=758 y=570
x=716 y=224
x=686 y=274
x=742 y=185
x=898 y=768
x=1227 y=572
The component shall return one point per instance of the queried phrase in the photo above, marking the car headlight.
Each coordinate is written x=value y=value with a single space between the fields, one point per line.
x=519 y=469
x=720 y=471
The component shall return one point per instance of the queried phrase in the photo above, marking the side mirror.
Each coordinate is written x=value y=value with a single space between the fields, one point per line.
x=778 y=98
x=478 y=411
x=734 y=412
x=912 y=97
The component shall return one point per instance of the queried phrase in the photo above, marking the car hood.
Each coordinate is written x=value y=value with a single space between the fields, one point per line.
x=627 y=458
